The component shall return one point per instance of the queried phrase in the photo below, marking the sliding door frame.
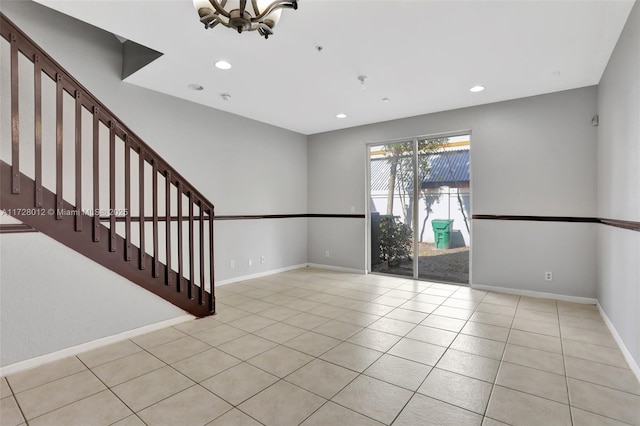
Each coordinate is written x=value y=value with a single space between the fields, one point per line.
x=416 y=192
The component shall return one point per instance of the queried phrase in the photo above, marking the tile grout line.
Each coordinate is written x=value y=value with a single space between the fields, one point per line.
x=495 y=380
x=112 y=392
x=13 y=395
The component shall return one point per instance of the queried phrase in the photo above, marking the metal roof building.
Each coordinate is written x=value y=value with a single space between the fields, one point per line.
x=448 y=168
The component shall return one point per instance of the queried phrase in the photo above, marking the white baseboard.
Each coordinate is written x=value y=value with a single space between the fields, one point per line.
x=538 y=294
x=260 y=274
x=625 y=352
x=84 y=347
x=289 y=268
x=336 y=268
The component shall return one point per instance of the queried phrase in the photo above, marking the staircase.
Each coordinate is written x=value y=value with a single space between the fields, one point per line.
x=73 y=171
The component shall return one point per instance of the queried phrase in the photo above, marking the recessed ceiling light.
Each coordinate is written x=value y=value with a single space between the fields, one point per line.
x=341 y=115
x=225 y=96
x=223 y=65
x=476 y=89
x=386 y=100
x=195 y=87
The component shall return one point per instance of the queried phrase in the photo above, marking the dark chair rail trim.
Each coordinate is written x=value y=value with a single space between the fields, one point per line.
x=625 y=224
x=289 y=216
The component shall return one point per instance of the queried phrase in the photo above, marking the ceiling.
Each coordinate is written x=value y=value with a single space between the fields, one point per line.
x=422 y=55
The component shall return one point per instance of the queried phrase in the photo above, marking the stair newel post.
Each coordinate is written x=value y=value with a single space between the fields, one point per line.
x=212 y=299
x=191 y=244
x=15 y=118
x=141 y=166
x=96 y=174
x=180 y=260
x=37 y=130
x=59 y=135
x=201 y=288
x=127 y=197
x=112 y=185
x=168 y=226
x=78 y=214
x=154 y=180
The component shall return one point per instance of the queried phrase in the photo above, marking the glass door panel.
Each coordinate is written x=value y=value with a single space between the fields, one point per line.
x=444 y=209
x=391 y=201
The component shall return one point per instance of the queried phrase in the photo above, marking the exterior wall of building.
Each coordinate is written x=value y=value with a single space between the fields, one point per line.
x=446 y=206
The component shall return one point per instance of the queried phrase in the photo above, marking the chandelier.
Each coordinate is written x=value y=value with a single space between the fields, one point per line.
x=243 y=15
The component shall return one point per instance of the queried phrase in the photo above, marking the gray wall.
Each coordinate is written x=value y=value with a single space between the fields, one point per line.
x=61 y=299
x=244 y=167
x=532 y=156
x=619 y=185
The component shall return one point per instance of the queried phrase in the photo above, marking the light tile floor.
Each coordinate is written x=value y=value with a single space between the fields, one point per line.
x=314 y=347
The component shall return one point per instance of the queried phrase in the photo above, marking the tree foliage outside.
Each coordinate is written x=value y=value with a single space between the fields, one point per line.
x=430 y=196
x=396 y=240
x=401 y=161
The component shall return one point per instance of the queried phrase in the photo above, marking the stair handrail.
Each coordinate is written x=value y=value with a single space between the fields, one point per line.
x=44 y=63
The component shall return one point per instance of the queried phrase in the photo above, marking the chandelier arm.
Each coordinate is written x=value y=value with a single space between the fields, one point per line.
x=256 y=10
x=264 y=30
x=212 y=20
x=219 y=8
x=243 y=6
x=278 y=4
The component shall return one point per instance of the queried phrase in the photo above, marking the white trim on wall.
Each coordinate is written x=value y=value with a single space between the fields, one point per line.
x=337 y=268
x=538 y=294
x=633 y=365
x=259 y=274
x=84 y=347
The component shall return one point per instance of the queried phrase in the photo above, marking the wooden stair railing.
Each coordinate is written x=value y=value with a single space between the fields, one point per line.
x=169 y=252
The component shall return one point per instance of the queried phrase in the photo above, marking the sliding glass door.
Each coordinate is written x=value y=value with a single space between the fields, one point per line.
x=420 y=208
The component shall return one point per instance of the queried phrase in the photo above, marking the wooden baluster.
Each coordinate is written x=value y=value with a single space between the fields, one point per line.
x=212 y=299
x=37 y=131
x=78 y=162
x=96 y=174
x=59 y=194
x=168 y=226
x=143 y=254
x=15 y=118
x=112 y=185
x=127 y=197
x=192 y=275
x=180 y=260
x=156 y=272
x=201 y=288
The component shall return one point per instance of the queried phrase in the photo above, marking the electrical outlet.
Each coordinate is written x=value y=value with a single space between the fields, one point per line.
x=250 y=262
x=262 y=259
x=232 y=264
x=326 y=253
x=548 y=276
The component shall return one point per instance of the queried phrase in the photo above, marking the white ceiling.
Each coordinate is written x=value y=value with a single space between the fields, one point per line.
x=423 y=55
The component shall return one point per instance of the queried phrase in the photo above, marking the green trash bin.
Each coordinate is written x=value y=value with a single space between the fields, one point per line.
x=442 y=232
